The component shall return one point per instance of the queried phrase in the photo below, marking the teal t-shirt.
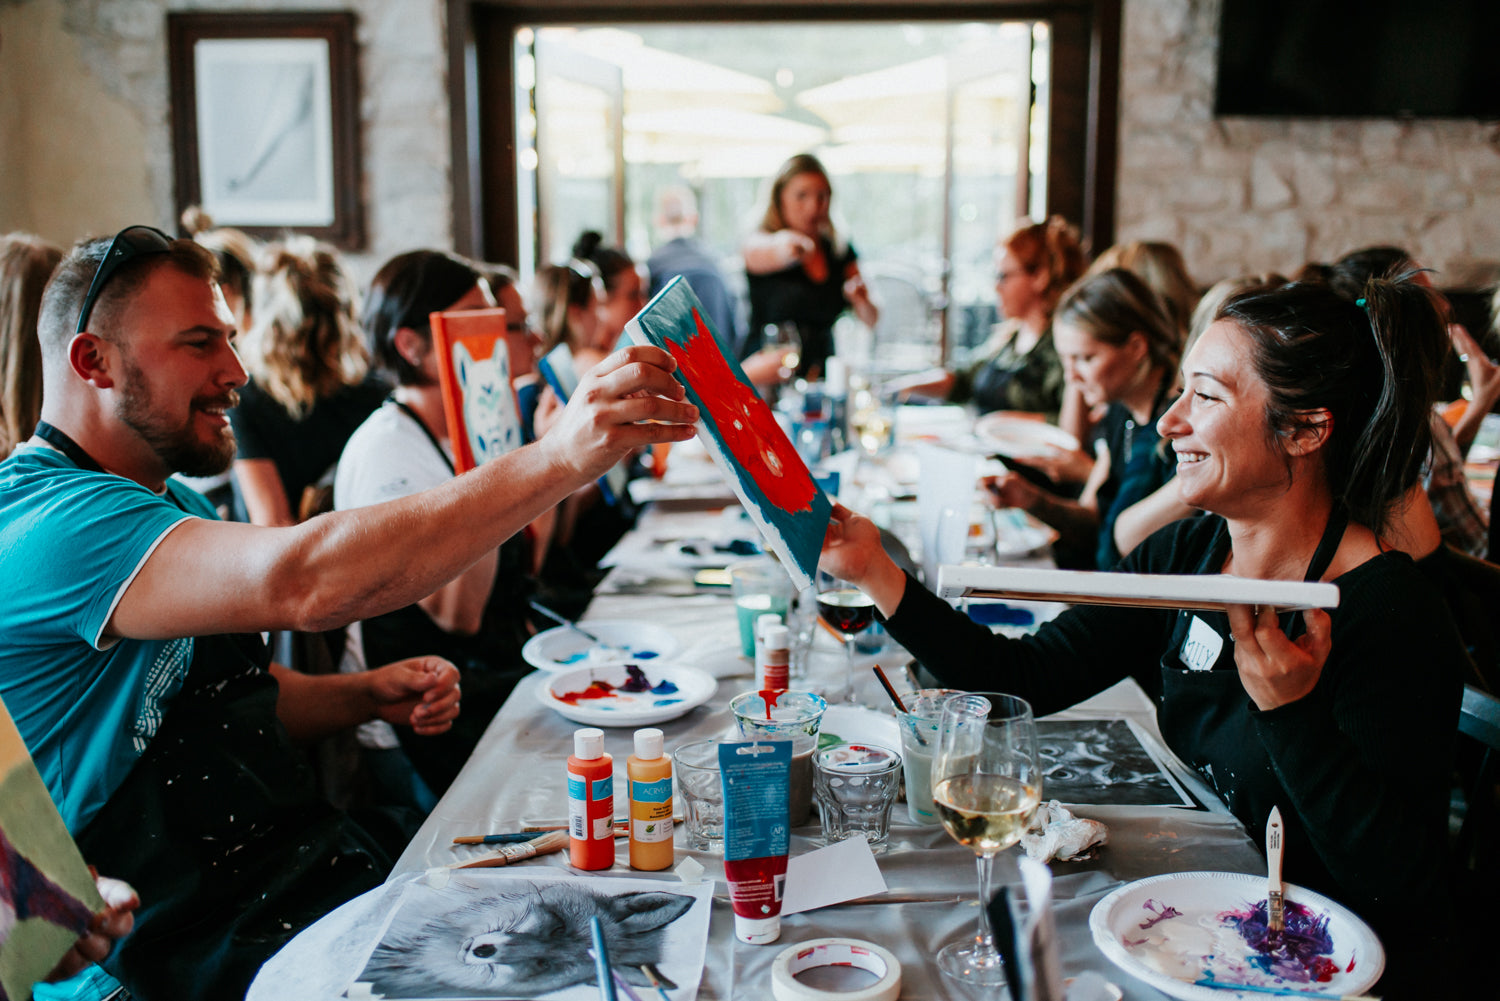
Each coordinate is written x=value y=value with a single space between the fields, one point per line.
x=71 y=541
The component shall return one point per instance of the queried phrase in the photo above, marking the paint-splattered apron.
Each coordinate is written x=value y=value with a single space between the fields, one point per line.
x=221 y=830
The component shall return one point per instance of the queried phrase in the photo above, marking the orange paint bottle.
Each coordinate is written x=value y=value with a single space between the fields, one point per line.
x=591 y=802
x=650 y=776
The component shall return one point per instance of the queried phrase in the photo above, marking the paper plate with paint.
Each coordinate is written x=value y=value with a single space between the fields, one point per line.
x=565 y=648
x=1023 y=437
x=1182 y=931
x=628 y=694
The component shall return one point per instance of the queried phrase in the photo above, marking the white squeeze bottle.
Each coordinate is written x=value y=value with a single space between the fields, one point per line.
x=773 y=658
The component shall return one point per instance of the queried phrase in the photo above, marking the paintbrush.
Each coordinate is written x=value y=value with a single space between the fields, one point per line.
x=1286 y=992
x=565 y=621
x=624 y=987
x=601 y=961
x=891 y=691
x=656 y=982
x=1275 y=902
x=550 y=842
x=515 y=839
x=497 y=839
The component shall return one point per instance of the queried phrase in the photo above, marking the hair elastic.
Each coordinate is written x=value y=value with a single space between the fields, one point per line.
x=1360 y=302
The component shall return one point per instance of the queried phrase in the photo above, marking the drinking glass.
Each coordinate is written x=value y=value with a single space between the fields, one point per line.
x=849 y=611
x=986 y=784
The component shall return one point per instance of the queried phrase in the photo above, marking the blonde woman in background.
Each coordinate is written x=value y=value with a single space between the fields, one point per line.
x=1161 y=267
x=26 y=262
x=800 y=271
x=310 y=385
x=1121 y=351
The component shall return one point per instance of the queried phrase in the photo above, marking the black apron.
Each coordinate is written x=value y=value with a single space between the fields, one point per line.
x=1203 y=717
x=221 y=830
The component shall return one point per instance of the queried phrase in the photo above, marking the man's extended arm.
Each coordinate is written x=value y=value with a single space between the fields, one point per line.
x=213 y=577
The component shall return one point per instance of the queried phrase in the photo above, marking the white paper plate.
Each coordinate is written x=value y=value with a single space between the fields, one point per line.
x=690 y=689
x=564 y=648
x=1022 y=436
x=860 y=725
x=1206 y=900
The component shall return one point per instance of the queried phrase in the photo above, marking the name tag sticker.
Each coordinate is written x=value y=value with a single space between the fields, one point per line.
x=1202 y=647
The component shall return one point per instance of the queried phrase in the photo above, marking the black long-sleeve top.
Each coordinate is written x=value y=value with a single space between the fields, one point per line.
x=1359 y=766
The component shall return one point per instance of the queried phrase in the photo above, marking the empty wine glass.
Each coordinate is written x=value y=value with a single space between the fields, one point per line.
x=849 y=611
x=986 y=784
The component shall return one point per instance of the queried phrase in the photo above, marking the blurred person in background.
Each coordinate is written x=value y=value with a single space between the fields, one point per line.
x=236 y=251
x=310 y=386
x=26 y=262
x=800 y=270
x=624 y=289
x=478 y=620
x=682 y=253
x=1018 y=367
x=1121 y=350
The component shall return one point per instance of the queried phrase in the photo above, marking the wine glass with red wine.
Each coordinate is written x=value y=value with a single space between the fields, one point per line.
x=849 y=611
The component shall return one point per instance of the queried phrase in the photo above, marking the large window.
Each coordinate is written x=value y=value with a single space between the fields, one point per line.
x=930 y=132
x=938 y=135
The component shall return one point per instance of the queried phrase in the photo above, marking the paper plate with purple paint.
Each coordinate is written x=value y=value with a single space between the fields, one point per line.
x=628 y=694
x=1178 y=931
x=565 y=648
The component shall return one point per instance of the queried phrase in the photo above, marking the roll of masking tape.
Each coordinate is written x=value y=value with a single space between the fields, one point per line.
x=835 y=952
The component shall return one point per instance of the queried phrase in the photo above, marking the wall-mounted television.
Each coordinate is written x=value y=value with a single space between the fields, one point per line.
x=1359 y=58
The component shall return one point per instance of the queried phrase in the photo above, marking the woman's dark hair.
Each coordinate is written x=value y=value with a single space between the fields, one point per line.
x=1112 y=305
x=406 y=289
x=611 y=261
x=1371 y=363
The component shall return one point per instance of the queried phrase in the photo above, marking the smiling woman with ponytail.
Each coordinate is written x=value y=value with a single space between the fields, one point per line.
x=1303 y=418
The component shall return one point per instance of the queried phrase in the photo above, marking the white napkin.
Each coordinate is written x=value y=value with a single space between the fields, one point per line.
x=1057 y=834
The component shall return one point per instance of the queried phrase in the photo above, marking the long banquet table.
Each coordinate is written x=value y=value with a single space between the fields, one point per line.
x=516 y=775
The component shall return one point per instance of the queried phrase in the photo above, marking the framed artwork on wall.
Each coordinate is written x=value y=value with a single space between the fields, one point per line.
x=265 y=122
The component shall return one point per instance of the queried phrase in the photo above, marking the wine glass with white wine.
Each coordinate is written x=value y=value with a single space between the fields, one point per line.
x=986 y=783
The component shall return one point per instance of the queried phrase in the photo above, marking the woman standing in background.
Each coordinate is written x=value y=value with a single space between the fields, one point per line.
x=800 y=271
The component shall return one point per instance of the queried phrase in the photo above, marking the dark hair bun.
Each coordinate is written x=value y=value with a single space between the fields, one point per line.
x=587 y=244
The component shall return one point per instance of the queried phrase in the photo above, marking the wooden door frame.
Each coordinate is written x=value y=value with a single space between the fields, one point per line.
x=1083 y=119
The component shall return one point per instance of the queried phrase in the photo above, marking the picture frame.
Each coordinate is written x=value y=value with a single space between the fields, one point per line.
x=265 y=122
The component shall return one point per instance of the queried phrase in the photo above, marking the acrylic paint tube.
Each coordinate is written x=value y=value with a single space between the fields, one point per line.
x=649 y=773
x=591 y=802
x=755 y=775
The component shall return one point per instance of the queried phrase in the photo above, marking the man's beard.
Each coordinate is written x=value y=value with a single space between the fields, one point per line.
x=177 y=446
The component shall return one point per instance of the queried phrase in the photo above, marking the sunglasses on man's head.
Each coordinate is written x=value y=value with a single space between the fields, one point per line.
x=128 y=244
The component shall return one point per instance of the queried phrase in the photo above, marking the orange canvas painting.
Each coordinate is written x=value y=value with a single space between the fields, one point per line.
x=478 y=400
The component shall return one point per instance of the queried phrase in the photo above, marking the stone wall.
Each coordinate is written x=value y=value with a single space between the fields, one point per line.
x=1242 y=195
x=85 y=143
x=103 y=79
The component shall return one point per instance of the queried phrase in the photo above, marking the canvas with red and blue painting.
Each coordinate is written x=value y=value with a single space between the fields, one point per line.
x=739 y=430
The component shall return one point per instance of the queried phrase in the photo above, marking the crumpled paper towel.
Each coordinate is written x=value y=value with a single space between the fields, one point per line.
x=1056 y=834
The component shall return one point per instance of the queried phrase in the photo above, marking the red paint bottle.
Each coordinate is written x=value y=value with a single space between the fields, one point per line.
x=591 y=802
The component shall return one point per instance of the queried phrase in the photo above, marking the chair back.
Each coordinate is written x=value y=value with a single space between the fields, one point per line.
x=1479 y=721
